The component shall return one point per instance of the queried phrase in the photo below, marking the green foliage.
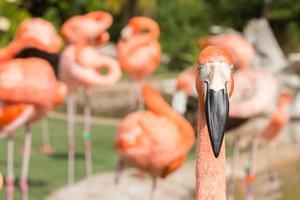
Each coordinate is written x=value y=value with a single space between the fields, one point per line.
x=182 y=22
x=15 y=14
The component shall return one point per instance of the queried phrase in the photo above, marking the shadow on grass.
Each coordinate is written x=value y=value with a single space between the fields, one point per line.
x=32 y=183
x=64 y=156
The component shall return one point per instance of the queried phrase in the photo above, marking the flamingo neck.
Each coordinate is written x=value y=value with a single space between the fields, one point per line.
x=5 y=55
x=210 y=171
x=155 y=103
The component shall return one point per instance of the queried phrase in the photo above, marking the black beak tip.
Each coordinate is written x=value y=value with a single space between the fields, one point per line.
x=216 y=150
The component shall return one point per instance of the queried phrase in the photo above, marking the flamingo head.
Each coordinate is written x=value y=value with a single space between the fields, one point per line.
x=38 y=33
x=141 y=25
x=214 y=84
x=91 y=28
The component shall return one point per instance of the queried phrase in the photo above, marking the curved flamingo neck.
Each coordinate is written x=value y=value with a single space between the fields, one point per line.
x=210 y=171
x=5 y=55
x=155 y=103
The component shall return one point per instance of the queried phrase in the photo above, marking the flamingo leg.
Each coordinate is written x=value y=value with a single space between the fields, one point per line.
x=271 y=172
x=249 y=195
x=119 y=170
x=25 y=164
x=87 y=135
x=154 y=185
x=46 y=148
x=137 y=96
x=71 y=137
x=10 y=169
x=234 y=164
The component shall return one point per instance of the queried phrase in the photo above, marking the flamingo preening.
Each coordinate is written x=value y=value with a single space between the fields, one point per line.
x=80 y=67
x=156 y=140
x=215 y=85
x=35 y=37
x=29 y=90
x=32 y=33
x=139 y=51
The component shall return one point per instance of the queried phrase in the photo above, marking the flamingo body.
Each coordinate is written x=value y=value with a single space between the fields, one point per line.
x=29 y=80
x=156 y=140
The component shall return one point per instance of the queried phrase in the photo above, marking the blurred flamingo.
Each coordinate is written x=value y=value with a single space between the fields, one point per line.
x=184 y=86
x=156 y=140
x=214 y=84
x=32 y=33
x=139 y=51
x=28 y=91
x=80 y=67
x=35 y=37
x=278 y=120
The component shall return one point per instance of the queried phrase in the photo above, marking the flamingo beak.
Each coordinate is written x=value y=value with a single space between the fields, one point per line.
x=215 y=77
x=216 y=113
x=126 y=32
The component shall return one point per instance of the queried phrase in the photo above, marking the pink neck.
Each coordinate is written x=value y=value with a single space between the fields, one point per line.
x=210 y=171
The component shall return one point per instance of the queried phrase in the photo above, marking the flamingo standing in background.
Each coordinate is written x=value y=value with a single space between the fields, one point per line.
x=32 y=33
x=139 y=51
x=184 y=87
x=155 y=141
x=35 y=37
x=214 y=84
x=28 y=90
x=80 y=67
x=279 y=119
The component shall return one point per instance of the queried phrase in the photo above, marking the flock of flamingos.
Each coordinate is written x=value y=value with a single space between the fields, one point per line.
x=156 y=138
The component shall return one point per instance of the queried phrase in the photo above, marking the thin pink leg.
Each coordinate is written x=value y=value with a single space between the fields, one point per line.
x=25 y=164
x=137 y=96
x=250 y=170
x=46 y=148
x=119 y=170
x=87 y=135
x=235 y=163
x=10 y=180
x=154 y=185
x=71 y=137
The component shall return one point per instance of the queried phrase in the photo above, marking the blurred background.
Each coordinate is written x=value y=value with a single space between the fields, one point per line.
x=274 y=33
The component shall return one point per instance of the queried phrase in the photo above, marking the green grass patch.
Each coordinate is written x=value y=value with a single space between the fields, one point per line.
x=49 y=172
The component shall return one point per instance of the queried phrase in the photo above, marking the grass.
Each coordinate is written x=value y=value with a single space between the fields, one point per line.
x=49 y=172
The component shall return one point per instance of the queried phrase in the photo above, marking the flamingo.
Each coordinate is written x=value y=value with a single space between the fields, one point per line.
x=278 y=120
x=139 y=51
x=28 y=90
x=32 y=33
x=35 y=37
x=184 y=88
x=249 y=93
x=215 y=85
x=80 y=67
x=155 y=141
